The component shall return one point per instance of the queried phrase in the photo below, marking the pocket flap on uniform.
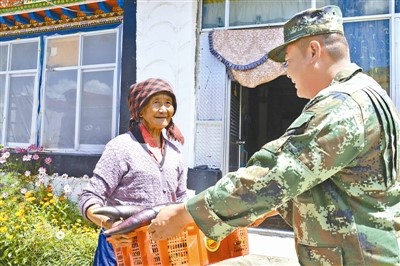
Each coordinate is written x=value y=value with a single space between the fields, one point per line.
x=310 y=255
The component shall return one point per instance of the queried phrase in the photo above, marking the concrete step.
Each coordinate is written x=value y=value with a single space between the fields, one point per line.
x=267 y=247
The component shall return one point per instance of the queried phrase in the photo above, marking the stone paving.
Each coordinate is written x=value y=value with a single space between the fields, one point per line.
x=267 y=247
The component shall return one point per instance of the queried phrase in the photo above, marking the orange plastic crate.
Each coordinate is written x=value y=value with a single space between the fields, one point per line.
x=234 y=245
x=187 y=248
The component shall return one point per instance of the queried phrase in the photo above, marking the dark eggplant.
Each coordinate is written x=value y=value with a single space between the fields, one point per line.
x=119 y=212
x=136 y=221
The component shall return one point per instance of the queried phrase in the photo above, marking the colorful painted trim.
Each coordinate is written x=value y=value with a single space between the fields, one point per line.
x=24 y=6
x=83 y=23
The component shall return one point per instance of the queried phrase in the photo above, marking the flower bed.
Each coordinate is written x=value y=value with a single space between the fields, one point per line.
x=39 y=220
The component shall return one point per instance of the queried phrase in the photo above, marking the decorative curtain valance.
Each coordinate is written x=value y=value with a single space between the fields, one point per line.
x=244 y=53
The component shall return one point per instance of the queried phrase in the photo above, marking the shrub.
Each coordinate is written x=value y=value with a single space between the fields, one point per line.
x=38 y=225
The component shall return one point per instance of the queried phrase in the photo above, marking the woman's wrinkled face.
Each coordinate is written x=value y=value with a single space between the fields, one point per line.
x=158 y=112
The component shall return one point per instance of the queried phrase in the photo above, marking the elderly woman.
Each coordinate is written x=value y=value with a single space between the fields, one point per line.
x=140 y=167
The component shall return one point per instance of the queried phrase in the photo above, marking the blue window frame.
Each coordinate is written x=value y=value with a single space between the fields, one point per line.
x=355 y=8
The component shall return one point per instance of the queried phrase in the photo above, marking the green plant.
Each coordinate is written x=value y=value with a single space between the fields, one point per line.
x=38 y=225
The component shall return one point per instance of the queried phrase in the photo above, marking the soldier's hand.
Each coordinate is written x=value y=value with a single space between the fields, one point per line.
x=169 y=222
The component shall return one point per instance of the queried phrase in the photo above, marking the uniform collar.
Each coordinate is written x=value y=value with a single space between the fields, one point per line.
x=343 y=75
x=346 y=73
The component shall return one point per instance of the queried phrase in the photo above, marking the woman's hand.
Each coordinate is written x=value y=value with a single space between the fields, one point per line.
x=100 y=220
x=122 y=240
x=169 y=221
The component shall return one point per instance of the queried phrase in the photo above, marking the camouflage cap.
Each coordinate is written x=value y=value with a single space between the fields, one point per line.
x=309 y=22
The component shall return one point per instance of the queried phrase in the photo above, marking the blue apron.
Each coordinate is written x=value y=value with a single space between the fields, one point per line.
x=104 y=255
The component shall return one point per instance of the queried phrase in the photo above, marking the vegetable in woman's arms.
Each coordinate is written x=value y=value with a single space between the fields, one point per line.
x=136 y=221
x=119 y=212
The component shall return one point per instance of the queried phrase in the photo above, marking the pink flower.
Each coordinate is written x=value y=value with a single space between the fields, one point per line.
x=27 y=173
x=35 y=157
x=26 y=158
x=42 y=170
x=32 y=148
x=48 y=160
x=3 y=160
x=39 y=181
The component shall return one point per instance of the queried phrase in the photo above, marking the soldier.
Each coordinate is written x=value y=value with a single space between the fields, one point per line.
x=333 y=176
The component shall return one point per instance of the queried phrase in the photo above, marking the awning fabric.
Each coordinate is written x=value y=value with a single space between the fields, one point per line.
x=244 y=53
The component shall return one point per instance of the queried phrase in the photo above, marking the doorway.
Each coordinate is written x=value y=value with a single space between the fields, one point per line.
x=258 y=116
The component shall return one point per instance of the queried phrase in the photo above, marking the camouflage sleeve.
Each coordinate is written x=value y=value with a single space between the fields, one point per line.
x=286 y=212
x=317 y=145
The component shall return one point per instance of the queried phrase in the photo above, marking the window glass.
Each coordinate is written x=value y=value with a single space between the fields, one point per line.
x=78 y=106
x=63 y=52
x=248 y=12
x=59 y=109
x=369 y=48
x=24 y=55
x=213 y=13
x=352 y=8
x=96 y=107
x=397 y=7
x=105 y=48
x=4 y=57
x=20 y=109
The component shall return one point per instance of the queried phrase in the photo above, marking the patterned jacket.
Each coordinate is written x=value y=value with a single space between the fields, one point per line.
x=333 y=176
x=127 y=174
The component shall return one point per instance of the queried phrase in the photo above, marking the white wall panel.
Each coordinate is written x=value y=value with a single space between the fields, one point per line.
x=210 y=102
x=166 y=48
x=395 y=93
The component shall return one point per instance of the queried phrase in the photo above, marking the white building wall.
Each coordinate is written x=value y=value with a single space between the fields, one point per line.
x=395 y=93
x=166 y=48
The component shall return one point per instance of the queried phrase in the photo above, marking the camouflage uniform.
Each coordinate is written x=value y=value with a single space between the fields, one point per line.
x=333 y=176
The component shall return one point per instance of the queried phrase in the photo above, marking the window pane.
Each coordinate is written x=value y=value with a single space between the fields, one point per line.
x=247 y=12
x=2 y=102
x=4 y=57
x=20 y=109
x=369 y=48
x=24 y=55
x=59 y=109
x=397 y=6
x=62 y=52
x=105 y=48
x=352 y=8
x=213 y=13
x=96 y=109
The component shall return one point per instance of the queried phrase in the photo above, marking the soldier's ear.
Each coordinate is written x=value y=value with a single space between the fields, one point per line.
x=314 y=50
